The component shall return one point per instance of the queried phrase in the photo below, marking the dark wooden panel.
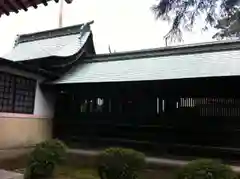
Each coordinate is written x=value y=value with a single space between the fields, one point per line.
x=159 y=115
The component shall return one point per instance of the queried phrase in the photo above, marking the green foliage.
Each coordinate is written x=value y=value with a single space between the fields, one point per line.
x=206 y=169
x=120 y=163
x=44 y=159
x=183 y=15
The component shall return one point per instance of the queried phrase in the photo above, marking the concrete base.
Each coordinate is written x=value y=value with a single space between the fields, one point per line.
x=20 y=130
x=10 y=175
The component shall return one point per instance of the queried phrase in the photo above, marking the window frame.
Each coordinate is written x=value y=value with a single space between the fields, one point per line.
x=17 y=93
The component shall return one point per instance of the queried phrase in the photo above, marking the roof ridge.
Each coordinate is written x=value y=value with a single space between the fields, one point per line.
x=185 y=46
x=208 y=47
x=51 y=33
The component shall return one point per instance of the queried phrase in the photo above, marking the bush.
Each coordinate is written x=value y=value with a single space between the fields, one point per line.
x=44 y=159
x=206 y=169
x=120 y=163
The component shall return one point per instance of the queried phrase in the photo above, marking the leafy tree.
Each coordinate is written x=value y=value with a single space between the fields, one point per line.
x=229 y=27
x=221 y=14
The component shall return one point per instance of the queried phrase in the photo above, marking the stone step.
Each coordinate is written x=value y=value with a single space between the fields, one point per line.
x=10 y=175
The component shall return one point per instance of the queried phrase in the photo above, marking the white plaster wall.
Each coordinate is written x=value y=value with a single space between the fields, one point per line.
x=44 y=100
x=17 y=130
x=44 y=103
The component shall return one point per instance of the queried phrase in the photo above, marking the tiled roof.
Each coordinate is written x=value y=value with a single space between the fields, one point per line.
x=204 y=60
x=8 y=6
x=63 y=42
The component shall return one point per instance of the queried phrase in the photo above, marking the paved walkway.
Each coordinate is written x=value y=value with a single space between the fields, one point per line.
x=13 y=153
x=10 y=175
x=151 y=160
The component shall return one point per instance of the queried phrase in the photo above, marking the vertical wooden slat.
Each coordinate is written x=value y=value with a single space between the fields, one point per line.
x=237 y=104
x=90 y=103
x=228 y=102
x=205 y=106
x=217 y=106
x=120 y=106
x=234 y=104
x=109 y=105
x=224 y=109
x=228 y=111
x=86 y=106
x=221 y=109
x=163 y=105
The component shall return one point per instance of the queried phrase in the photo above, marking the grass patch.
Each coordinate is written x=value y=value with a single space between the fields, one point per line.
x=68 y=172
x=73 y=172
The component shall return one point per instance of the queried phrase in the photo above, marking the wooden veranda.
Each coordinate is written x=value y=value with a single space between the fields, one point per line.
x=198 y=116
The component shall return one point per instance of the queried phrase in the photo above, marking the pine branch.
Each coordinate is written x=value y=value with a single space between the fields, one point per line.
x=183 y=14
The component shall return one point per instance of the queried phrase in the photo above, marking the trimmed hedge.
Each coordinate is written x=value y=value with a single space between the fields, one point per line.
x=120 y=163
x=206 y=169
x=44 y=159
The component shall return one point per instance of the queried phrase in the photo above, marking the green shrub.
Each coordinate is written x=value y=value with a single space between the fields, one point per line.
x=206 y=169
x=120 y=163
x=44 y=158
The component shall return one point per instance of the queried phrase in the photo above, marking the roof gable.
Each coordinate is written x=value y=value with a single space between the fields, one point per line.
x=63 y=42
x=53 y=33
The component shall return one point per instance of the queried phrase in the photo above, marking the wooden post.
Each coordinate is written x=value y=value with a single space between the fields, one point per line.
x=61 y=14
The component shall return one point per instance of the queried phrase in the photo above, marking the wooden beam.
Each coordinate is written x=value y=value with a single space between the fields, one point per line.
x=22 y=5
x=45 y=2
x=34 y=4
x=4 y=10
x=11 y=6
x=69 y=1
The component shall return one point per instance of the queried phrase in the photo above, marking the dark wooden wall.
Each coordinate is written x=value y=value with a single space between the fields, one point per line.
x=182 y=117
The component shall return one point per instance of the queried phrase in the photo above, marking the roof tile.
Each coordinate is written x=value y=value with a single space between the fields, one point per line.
x=62 y=42
x=208 y=64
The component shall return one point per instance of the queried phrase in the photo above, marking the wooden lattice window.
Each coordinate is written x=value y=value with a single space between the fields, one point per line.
x=17 y=94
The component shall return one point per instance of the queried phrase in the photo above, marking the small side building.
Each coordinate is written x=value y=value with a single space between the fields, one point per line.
x=26 y=106
x=21 y=124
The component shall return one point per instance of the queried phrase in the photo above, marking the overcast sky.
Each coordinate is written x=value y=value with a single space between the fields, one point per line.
x=124 y=25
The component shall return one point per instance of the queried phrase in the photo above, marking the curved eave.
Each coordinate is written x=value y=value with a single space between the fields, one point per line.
x=19 y=66
x=49 y=48
x=8 y=6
